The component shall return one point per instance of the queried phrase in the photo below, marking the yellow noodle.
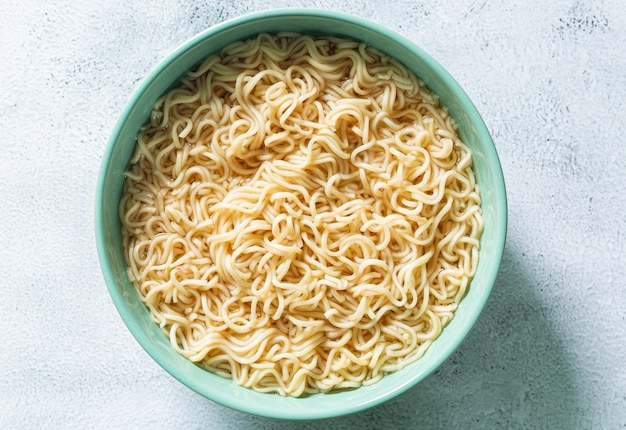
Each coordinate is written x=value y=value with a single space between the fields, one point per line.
x=300 y=215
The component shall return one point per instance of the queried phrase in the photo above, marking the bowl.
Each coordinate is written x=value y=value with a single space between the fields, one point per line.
x=120 y=147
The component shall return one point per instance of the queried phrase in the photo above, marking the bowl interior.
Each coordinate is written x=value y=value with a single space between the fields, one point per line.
x=119 y=150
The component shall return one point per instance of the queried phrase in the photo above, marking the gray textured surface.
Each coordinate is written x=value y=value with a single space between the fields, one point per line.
x=548 y=352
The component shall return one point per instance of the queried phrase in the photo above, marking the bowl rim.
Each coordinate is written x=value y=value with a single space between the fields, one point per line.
x=333 y=407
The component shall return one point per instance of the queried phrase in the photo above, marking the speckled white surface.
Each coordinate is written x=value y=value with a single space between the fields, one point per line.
x=550 y=81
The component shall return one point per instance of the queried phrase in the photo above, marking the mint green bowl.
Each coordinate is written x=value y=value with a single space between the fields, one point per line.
x=118 y=153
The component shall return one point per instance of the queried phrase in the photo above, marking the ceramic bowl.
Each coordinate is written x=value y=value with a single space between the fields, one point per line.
x=118 y=152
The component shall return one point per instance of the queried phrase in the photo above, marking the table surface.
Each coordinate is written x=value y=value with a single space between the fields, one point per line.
x=549 y=79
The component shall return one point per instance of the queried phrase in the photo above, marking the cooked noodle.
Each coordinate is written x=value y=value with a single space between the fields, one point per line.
x=300 y=215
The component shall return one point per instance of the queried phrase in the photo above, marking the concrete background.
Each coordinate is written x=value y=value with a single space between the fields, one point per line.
x=549 y=79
